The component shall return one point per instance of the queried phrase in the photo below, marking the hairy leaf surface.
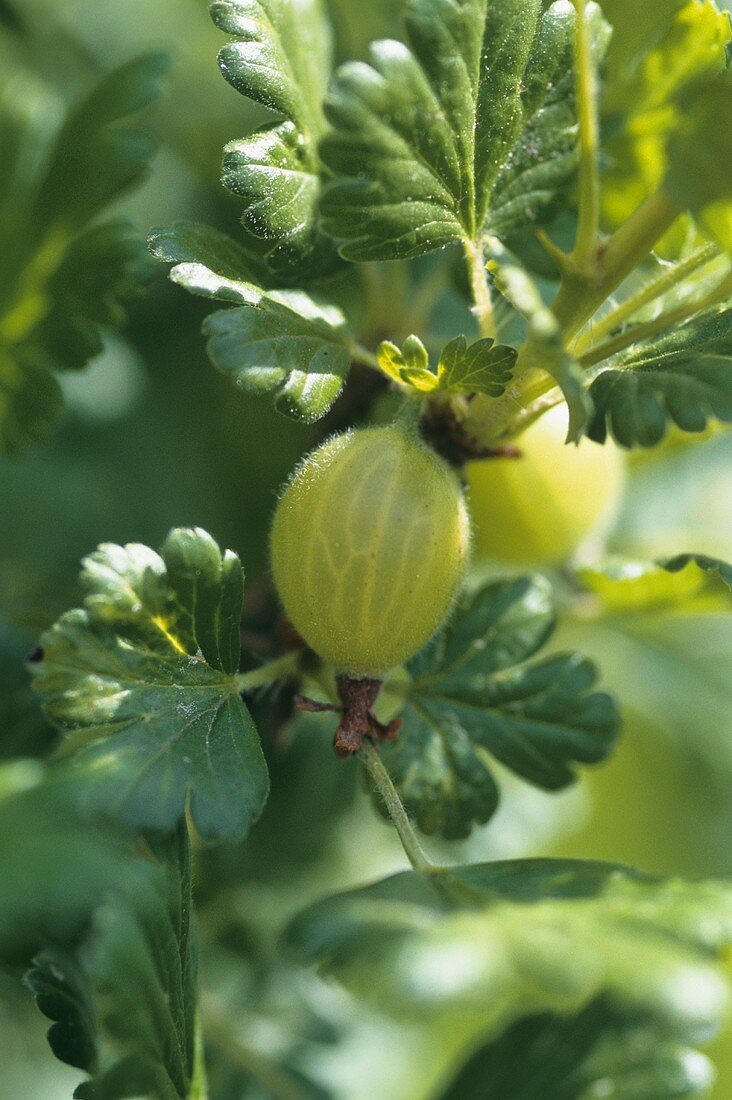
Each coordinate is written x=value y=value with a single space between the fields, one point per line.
x=280 y=57
x=472 y=696
x=684 y=377
x=470 y=124
x=288 y=343
x=140 y=681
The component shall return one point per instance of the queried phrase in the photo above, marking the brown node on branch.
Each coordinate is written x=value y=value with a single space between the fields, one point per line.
x=357 y=722
x=447 y=435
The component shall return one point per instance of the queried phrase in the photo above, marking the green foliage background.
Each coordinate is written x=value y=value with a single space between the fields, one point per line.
x=152 y=438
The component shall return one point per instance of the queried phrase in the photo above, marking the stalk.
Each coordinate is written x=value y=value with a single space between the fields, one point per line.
x=395 y=808
x=584 y=255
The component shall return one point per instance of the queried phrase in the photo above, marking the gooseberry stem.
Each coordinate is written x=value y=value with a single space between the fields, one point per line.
x=279 y=669
x=395 y=808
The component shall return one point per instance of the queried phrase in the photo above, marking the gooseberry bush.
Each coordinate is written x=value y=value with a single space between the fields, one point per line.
x=484 y=263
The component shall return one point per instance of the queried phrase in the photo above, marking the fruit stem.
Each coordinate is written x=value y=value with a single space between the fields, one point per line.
x=279 y=669
x=395 y=808
x=410 y=414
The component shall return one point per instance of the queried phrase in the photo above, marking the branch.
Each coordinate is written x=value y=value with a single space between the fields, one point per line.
x=584 y=255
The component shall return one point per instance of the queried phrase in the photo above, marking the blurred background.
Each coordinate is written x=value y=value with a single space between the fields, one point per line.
x=153 y=437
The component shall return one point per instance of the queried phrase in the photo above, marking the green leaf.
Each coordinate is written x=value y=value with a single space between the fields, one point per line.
x=281 y=58
x=581 y=1055
x=471 y=696
x=62 y=280
x=470 y=124
x=124 y=1002
x=480 y=367
x=700 y=154
x=24 y=732
x=624 y=584
x=545 y=347
x=140 y=681
x=55 y=869
x=717 y=570
x=288 y=343
x=645 y=81
x=684 y=376
x=492 y=943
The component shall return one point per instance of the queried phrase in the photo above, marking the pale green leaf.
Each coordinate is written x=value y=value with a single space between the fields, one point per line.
x=140 y=682
x=700 y=157
x=493 y=943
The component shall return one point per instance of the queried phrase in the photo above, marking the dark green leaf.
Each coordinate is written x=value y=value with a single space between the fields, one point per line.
x=291 y=344
x=471 y=695
x=54 y=868
x=717 y=569
x=684 y=376
x=481 y=367
x=60 y=280
x=281 y=58
x=124 y=1002
x=500 y=941
x=573 y=1057
x=470 y=124
x=140 y=682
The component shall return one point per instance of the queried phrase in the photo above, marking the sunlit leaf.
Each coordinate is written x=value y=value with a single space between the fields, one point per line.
x=140 y=682
x=288 y=343
x=469 y=124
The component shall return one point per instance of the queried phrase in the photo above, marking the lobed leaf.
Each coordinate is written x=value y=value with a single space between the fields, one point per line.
x=62 y=280
x=124 y=1001
x=469 y=126
x=472 y=696
x=583 y=1054
x=683 y=376
x=688 y=42
x=480 y=367
x=624 y=584
x=281 y=58
x=496 y=943
x=140 y=682
x=288 y=343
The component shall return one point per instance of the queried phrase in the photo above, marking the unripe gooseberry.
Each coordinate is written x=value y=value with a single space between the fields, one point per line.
x=369 y=544
x=540 y=506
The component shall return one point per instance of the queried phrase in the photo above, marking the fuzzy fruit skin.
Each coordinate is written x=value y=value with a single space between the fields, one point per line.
x=369 y=544
x=541 y=506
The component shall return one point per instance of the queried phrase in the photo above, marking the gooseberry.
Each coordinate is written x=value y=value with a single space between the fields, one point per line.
x=369 y=543
x=540 y=506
